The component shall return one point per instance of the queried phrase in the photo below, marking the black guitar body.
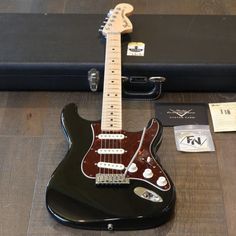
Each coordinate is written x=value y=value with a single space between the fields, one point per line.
x=75 y=200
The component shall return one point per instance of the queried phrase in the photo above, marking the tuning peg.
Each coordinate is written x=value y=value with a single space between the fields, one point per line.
x=105 y=21
x=100 y=30
x=110 y=13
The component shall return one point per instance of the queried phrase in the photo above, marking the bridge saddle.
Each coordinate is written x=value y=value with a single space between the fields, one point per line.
x=110 y=179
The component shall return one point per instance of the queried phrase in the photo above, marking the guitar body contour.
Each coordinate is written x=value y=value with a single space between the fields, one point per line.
x=73 y=197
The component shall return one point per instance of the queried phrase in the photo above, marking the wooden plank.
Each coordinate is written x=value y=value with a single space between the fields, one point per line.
x=225 y=144
x=18 y=170
x=23 y=114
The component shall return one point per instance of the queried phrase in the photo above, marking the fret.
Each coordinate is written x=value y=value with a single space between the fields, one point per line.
x=112 y=107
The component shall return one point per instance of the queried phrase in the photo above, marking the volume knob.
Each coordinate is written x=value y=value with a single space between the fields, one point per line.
x=161 y=181
x=147 y=173
x=133 y=168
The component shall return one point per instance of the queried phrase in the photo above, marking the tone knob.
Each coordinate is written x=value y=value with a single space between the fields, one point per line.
x=147 y=173
x=133 y=168
x=161 y=181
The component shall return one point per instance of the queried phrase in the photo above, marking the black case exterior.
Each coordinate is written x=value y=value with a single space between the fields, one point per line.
x=56 y=51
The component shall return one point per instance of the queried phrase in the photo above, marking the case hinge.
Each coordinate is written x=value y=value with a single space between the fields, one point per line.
x=93 y=78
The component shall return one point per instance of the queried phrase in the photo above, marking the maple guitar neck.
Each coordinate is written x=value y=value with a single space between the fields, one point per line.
x=112 y=90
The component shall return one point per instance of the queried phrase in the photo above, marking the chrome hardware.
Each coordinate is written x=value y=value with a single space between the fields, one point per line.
x=147 y=194
x=110 y=227
x=110 y=13
x=159 y=79
x=124 y=78
x=110 y=179
x=93 y=78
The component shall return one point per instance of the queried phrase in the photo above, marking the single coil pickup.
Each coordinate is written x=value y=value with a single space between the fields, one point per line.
x=108 y=151
x=110 y=165
x=111 y=136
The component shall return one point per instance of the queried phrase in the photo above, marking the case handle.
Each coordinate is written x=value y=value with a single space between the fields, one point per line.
x=142 y=87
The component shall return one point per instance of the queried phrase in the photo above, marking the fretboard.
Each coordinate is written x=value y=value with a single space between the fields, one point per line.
x=112 y=104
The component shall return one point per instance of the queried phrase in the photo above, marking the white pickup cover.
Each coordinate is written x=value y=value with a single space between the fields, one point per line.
x=111 y=136
x=108 y=151
x=110 y=165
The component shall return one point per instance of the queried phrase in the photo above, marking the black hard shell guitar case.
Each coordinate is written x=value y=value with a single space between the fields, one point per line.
x=58 y=52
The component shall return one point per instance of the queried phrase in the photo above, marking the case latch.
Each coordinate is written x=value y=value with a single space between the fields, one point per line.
x=93 y=78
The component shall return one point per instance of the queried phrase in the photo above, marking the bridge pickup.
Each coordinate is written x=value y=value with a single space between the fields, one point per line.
x=111 y=179
x=110 y=165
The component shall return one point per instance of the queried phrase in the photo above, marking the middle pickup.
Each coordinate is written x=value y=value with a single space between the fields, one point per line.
x=109 y=151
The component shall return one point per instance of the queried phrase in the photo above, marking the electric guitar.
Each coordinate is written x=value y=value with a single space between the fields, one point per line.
x=110 y=178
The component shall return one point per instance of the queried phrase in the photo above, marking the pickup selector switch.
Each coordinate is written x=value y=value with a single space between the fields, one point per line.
x=147 y=174
x=133 y=168
x=161 y=181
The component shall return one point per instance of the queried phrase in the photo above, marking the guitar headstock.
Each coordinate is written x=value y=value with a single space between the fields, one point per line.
x=117 y=21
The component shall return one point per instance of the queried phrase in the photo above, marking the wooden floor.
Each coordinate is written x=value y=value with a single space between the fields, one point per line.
x=32 y=143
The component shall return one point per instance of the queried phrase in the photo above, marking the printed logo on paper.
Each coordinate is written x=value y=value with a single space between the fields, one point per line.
x=194 y=141
x=135 y=49
x=181 y=114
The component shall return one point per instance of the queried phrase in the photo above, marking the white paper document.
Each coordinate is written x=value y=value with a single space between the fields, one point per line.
x=223 y=116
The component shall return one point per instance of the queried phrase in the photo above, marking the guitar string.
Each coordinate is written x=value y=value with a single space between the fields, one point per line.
x=109 y=156
x=100 y=169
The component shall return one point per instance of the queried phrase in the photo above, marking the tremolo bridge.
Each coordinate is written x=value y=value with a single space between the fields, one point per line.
x=108 y=179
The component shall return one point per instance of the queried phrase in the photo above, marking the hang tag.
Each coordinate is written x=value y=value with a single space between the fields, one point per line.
x=135 y=49
x=193 y=138
x=223 y=116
